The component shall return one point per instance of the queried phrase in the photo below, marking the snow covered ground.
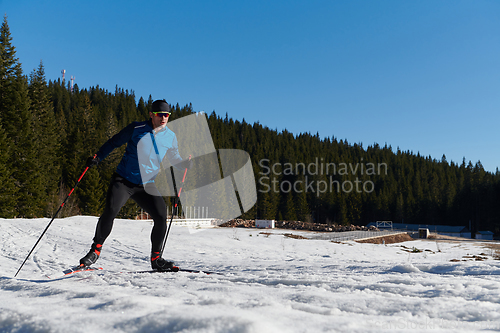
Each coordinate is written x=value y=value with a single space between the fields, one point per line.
x=270 y=282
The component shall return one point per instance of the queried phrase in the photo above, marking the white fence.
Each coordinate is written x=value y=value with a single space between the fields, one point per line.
x=195 y=217
x=194 y=222
x=194 y=212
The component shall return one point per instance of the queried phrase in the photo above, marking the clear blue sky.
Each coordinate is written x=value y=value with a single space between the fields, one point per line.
x=420 y=75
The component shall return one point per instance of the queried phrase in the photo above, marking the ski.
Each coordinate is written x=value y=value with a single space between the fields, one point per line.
x=76 y=269
x=176 y=269
x=197 y=271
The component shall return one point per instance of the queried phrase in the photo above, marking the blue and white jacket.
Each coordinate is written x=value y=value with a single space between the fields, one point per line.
x=145 y=151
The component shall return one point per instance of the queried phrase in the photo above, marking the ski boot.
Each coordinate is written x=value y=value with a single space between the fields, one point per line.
x=160 y=264
x=92 y=256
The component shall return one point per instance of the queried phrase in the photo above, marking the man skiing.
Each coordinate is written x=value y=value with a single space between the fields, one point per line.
x=134 y=178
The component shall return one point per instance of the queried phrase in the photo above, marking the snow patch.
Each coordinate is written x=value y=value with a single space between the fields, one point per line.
x=405 y=268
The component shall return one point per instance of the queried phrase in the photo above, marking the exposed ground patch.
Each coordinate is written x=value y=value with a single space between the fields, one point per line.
x=390 y=239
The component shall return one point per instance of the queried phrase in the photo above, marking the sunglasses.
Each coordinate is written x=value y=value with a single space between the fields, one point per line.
x=162 y=114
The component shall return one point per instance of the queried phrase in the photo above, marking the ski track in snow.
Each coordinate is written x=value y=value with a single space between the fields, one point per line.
x=270 y=283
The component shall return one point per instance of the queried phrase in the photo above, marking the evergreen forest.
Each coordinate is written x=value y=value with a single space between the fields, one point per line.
x=48 y=130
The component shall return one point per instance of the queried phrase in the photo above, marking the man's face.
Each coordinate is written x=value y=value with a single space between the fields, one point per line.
x=159 y=119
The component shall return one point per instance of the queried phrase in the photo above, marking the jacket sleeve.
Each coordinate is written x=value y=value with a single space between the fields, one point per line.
x=116 y=141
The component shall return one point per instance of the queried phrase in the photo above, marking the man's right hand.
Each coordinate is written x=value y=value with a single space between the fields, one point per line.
x=186 y=164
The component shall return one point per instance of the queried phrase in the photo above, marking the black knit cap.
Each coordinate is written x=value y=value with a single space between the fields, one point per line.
x=160 y=105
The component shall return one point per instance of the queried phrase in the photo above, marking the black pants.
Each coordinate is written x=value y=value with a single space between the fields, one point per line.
x=119 y=191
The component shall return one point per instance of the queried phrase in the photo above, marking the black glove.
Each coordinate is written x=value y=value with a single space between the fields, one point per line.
x=91 y=161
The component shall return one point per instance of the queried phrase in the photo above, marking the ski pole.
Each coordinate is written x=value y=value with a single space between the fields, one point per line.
x=47 y=227
x=176 y=202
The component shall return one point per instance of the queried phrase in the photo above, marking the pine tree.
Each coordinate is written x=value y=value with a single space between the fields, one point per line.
x=11 y=79
x=108 y=166
x=269 y=205
x=289 y=208
x=16 y=120
x=46 y=140
x=302 y=208
x=7 y=188
x=91 y=193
